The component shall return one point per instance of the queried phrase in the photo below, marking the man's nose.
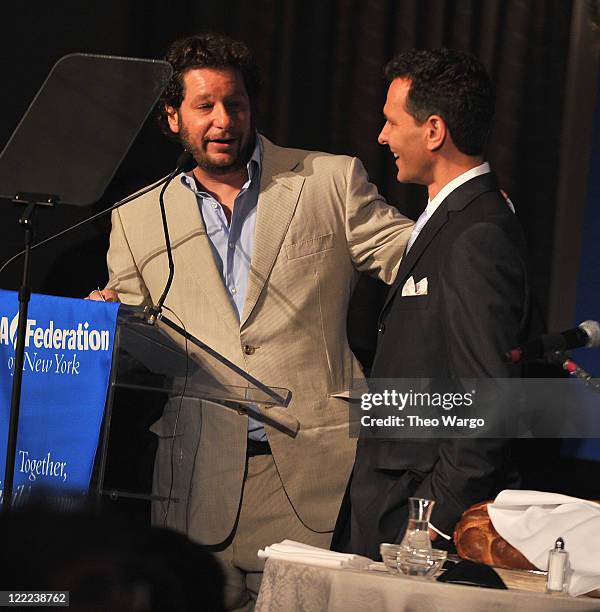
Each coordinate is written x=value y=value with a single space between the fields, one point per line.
x=222 y=118
x=382 y=138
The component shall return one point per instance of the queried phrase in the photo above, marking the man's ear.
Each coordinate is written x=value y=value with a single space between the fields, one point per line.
x=435 y=133
x=172 y=118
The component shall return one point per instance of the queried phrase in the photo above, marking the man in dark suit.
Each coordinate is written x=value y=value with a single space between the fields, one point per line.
x=460 y=298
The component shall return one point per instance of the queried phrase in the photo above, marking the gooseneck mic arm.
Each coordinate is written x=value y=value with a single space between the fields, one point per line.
x=185 y=163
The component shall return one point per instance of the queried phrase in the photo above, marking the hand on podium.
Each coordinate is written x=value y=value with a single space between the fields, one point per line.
x=103 y=295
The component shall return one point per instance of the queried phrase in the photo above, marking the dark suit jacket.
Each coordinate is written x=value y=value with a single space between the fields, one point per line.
x=473 y=254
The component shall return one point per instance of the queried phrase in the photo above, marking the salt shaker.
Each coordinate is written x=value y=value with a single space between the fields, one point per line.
x=558 y=559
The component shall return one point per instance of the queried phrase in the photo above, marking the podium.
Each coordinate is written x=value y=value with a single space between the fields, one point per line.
x=67 y=160
x=164 y=364
x=64 y=435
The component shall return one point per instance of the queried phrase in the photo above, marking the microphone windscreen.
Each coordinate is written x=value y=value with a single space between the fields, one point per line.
x=186 y=162
x=592 y=328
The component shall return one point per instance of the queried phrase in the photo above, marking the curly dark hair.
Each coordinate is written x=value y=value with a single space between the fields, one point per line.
x=452 y=84
x=207 y=50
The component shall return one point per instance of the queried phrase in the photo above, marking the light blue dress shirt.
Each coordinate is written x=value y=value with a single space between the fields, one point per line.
x=232 y=243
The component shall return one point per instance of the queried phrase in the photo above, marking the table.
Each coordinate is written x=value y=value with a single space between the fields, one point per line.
x=296 y=587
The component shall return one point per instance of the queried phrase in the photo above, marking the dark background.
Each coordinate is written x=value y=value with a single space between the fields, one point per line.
x=322 y=63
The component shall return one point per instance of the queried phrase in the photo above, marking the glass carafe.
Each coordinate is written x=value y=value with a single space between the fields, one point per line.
x=415 y=556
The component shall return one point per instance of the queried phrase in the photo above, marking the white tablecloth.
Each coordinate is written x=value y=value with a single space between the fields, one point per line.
x=296 y=587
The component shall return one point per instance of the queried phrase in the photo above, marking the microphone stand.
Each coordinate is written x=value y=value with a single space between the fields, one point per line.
x=564 y=360
x=27 y=221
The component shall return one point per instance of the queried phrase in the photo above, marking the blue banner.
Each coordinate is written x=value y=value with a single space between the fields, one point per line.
x=68 y=354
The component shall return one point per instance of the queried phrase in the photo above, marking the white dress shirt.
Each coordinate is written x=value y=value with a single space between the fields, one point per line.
x=444 y=192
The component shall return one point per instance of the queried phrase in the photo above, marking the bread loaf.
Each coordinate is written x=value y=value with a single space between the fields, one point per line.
x=477 y=540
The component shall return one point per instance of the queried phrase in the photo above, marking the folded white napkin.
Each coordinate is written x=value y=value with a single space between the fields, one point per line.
x=532 y=521
x=288 y=550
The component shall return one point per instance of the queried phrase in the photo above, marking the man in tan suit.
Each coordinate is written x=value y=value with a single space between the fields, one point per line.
x=267 y=245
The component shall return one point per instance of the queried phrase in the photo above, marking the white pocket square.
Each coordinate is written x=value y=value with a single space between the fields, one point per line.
x=410 y=288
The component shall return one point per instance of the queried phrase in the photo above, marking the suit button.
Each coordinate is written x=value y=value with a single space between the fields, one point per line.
x=381 y=327
x=249 y=349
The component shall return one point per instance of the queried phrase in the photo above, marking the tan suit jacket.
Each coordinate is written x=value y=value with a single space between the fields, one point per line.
x=319 y=222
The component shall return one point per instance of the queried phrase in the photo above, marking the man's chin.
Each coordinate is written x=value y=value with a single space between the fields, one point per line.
x=224 y=162
x=222 y=165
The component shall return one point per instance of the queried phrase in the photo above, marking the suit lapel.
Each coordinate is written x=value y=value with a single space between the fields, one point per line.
x=186 y=225
x=457 y=200
x=427 y=234
x=280 y=190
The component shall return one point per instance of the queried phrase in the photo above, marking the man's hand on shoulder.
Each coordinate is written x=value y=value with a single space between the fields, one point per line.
x=103 y=295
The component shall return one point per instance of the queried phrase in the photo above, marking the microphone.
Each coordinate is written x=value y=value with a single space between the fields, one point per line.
x=585 y=334
x=185 y=163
